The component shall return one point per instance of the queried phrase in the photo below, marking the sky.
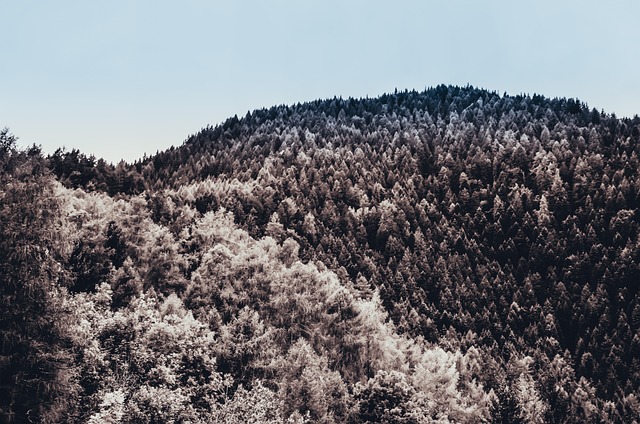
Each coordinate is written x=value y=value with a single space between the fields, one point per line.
x=119 y=79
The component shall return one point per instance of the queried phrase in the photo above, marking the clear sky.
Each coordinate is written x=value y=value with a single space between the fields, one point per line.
x=120 y=78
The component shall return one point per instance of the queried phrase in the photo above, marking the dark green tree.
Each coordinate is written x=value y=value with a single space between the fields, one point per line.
x=38 y=382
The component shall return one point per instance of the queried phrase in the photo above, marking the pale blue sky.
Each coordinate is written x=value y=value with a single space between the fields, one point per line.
x=121 y=78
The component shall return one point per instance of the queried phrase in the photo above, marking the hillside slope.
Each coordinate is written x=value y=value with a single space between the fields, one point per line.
x=499 y=234
x=500 y=221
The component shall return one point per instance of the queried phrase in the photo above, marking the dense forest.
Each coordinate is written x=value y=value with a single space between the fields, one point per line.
x=448 y=256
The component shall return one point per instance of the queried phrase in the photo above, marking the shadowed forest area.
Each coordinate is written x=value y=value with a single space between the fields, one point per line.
x=447 y=256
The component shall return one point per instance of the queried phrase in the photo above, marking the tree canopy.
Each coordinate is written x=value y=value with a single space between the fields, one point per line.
x=451 y=255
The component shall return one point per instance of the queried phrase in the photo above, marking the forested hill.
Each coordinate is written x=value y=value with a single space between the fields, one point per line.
x=452 y=255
